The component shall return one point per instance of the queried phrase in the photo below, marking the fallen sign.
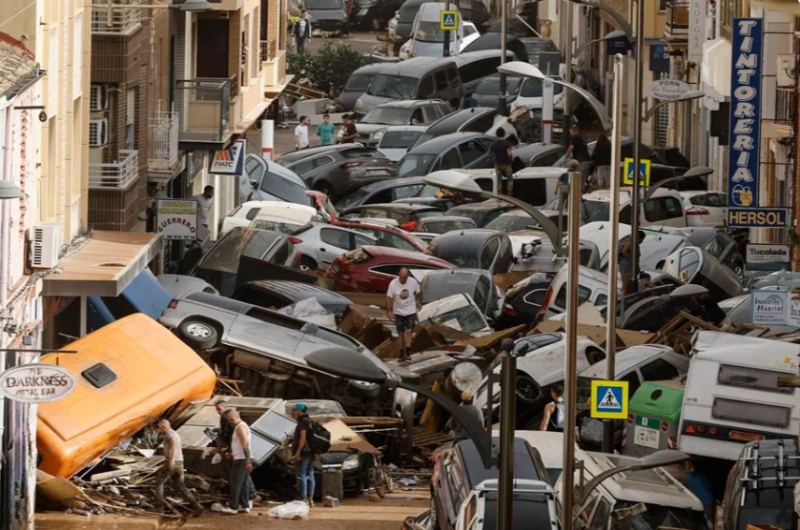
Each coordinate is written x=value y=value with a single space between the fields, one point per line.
x=37 y=383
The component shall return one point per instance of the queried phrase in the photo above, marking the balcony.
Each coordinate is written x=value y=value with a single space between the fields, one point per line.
x=677 y=23
x=123 y=21
x=785 y=106
x=117 y=175
x=273 y=63
x=163 y=160
x=204 y=112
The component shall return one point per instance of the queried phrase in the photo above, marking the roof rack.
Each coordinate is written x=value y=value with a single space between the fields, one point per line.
x=754 y=474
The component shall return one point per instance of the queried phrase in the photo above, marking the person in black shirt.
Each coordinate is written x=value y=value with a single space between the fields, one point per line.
x=577 y=147
x=501 y=151
x=302 y=453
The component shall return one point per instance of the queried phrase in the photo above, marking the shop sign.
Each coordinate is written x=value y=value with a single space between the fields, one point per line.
x=37 y=383
x=177 y=219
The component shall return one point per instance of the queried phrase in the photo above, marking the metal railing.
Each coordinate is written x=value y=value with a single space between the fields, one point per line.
x=269 y=50
x=204 y=105
x=120 y=21
x=162 y=149
x=785 y=106
x=118 y=175
x=677 y=19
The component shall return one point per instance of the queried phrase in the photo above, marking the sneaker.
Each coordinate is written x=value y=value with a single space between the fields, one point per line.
x=228 y=510
x=250 y=504
x=244 y=510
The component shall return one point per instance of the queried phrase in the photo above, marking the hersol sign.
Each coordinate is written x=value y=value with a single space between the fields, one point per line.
x=37 y=383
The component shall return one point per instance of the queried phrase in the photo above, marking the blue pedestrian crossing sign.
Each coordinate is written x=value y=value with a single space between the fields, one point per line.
x=644 y=170
x=610 y=400
x=449 y=20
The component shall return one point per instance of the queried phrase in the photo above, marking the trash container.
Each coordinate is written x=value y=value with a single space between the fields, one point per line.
x=654 y=414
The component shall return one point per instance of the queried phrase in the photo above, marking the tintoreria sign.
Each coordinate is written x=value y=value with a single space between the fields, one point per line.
x=37 y=383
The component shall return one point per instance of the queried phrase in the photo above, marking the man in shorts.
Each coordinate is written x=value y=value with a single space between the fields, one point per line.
x=403 y=300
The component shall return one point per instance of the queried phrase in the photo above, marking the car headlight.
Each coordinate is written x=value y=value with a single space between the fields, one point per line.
x=358 y=104
x=378 y=135
x=351 y=462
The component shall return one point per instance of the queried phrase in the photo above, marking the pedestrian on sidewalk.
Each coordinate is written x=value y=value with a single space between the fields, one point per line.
x=172 y=469
x=325 y=130
x=302 y=454
x=501 y=153
x=301 y=134
x=302 y=32
x=204 y=202
x=242 y=489
x=403 y=301
x=350 y=130
x=553 y=418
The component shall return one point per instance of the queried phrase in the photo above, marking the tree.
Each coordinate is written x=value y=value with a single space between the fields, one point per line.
x=329 y=68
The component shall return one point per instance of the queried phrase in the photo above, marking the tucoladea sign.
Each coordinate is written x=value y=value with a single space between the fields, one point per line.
x=37 y=383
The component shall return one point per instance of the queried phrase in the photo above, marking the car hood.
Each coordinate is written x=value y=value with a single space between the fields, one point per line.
x=370 y=128
x=547 y=367
x=369 y=102
x=431 y=49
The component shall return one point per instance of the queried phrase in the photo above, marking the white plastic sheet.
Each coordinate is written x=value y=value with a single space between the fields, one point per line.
x=290 y=510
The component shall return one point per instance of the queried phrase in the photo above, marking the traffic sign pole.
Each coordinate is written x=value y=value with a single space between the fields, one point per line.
x=446 y=51
x=448 y=21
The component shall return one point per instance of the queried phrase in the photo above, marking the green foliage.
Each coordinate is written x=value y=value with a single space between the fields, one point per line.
x=329 y=68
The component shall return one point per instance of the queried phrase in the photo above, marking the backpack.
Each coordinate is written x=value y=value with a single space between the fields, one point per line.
x=319 y=438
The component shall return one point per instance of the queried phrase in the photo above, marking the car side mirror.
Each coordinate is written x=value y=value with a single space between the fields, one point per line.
x=254 y=183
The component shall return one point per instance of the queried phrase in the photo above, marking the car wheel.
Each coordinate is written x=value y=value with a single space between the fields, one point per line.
x=368 y=390
x=527 y=389
x=308 y=264
x=434 y=521
x=376 y=24
x=198 y=334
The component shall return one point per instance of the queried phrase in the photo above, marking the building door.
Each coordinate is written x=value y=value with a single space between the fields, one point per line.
x=212 y=48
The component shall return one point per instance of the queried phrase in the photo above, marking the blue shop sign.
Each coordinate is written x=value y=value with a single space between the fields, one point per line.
x=745 y=115
x=659 y=58
x=757 y=217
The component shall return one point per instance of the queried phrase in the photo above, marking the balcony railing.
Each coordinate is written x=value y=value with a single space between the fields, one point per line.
x=115 y=176
x=269 y=50
x=204 y=105
x=785 y=106
x=677 y=20
x=162 y=150
x=123 y=21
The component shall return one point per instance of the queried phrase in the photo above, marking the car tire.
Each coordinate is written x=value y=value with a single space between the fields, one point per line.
x=367 y=390
x=198 y=333
x=308 y=264
x=527 y=390
x=434 y=515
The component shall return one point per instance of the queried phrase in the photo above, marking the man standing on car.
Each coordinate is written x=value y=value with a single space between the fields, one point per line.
x=242 y=489
x=501 y=151
x=350 y=131
x=302 y=32
x=403 y=301
x=172 y=468
x=302 y=454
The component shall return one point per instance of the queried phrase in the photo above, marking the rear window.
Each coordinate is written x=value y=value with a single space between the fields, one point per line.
x=530 y=511
x=753 y=413
x=752 y=378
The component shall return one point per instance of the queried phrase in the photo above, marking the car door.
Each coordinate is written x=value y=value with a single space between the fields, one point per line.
x=335 y=241
x=488 y=256
x=470 y=151
x=254 y=168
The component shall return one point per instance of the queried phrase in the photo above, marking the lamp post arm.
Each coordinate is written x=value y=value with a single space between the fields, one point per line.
x=626 y=27
x=585 y=490
x=654 y=108
x=586 y=45
x=547 y=225
x=598 y=107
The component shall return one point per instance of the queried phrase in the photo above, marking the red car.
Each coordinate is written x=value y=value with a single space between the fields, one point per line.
x=370 y=269
x=394 y=237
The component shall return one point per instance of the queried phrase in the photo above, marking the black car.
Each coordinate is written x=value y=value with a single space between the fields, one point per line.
x=477 y=283
x=406 y=215
x=357 y=84
x=487 y=92
x=460 y=469
x=451 y=151
x=374 y=14
x=474 y=11
x=493 y=41
x=331 y=15
x=514 y=27
x=406 y=112
x=384 y=191
x=653 y=313
x=475 y=249
x=278 y=294
x=538 y=154
x=482 y=212
x=719 y=244
x=524 y=301
x=473 y=120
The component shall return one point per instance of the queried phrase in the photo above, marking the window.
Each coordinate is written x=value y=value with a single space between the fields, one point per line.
x=431 y=114
x=450 y=160
x=252 y=213
x=271 y=317
x=303 y=168
x=749 y=412
x=250 y=295
x=281 y=253
x=392 y=270
x=662 y=208
x=602 y=299
x=535 y=298
x=716 y=246
x=404 y=192
x=443 y=110
x=469 y=30
x=416 y=117
x=441 y=81
x=633 y=382
x=659 y=370
x=482 y=293
x=425 y=90
x=488 y=253
x=547 y=160
x=321 y=161
x=584 y=293
x=752 y=378
x=600 y=517
x=470 y=152
x=452 y=76
x=360 y=240
x=481 y=124
x=336 y=238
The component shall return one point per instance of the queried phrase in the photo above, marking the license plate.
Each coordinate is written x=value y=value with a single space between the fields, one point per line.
x=747 y=436
x=376 y=172
x=646 y=437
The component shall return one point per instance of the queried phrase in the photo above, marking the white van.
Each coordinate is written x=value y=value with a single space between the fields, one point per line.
x=427 y=35
x=732 y=394
x=534 y=185
x=592 y=287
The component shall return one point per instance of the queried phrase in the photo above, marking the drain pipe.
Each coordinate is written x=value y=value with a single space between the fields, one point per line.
x=5 y=160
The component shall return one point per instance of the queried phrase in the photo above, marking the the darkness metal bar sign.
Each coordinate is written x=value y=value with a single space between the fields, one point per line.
x=745 y=125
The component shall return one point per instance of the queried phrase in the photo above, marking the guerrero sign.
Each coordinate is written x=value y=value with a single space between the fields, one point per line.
x=177 y=219
x=36 y=383
x=745 y=117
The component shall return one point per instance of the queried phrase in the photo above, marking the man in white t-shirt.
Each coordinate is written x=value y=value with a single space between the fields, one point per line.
x=204 y=202
x=301 y=134
x=403 y=300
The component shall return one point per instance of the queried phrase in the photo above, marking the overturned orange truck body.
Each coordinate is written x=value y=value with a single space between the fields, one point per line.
x=130 y=373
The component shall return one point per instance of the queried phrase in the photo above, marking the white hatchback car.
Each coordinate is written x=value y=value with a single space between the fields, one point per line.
x=276 y=211
x=705 y=208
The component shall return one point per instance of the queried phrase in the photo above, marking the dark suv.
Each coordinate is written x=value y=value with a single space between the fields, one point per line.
x=459 y=470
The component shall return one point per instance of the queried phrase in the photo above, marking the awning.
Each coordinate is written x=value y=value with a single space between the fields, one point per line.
x=104 y=266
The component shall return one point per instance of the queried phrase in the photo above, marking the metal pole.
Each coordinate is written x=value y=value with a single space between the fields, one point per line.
x=637 y=140
x=508 y=402
x=571 y=361
x=567 y=124
x=613 y=243
x=501 y=101
x=547 y=111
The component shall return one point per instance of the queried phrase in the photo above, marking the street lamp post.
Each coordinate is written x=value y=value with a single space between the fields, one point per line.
x=686 y=96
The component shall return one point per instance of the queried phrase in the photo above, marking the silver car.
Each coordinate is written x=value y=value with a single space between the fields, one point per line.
x=319 y=244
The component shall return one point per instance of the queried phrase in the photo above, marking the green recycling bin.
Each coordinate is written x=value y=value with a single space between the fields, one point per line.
x=654 y=415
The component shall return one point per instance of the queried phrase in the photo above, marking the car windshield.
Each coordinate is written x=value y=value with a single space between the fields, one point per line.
x=283 y=188
x=491 y=86
x=386 y=116
x=511 y=223
x=324 y=4
x=532 y=88
x=415 y=165
x=595 y=211
x=441 y=227
x=467 y=318
x=359 y=82
x=275 y=226
x=393 y=86
x=354 y=199
x=429 y=31
x=538 y=46
x=399 y=139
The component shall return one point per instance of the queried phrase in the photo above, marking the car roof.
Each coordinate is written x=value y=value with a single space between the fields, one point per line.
x=391 y=183
x=469 y=236
x=408 y=103
x=440 y=143
x=298 y=291
x=372 y=68
x=524 y=466
x=698 y=235
x=405 y=128
x=456 y=119
x=404 y=255
x=414 y=67
x=738 y=350
x=626 y=360
x=467 y=57
x=400 y=206
x=296 y=156
x=531 y=150
x=485 y=205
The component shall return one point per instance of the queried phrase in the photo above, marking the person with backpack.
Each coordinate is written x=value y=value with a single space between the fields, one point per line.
x=303 y=452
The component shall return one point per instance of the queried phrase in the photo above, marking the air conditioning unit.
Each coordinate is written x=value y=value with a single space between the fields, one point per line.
x=98 y=133
x=98 y=100
x=786 y=75
x=45 y=245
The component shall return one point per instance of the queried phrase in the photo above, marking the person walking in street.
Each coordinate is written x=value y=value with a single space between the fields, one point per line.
x=302 y=453
x=204 y=202
x=403 y=301
x=302 y=32
x=501 y=154
x=350 y=130
x=172 y=469
x=325 y=130
x=301 y=134
x=242 y=489
x=601 y=163
x=626 y=263
x=553 y=418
